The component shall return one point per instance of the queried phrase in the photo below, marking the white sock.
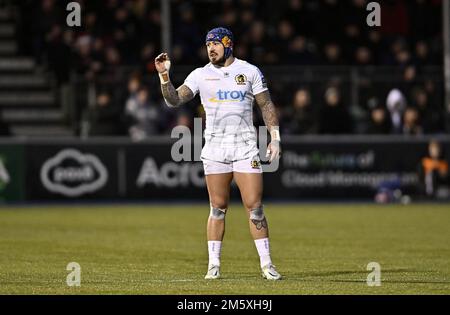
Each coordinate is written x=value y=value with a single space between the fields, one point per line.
x=214 y=248
x=263 y=248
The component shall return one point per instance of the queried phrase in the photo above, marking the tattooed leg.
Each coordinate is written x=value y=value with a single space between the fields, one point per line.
x=251 y=188
x=258 y=223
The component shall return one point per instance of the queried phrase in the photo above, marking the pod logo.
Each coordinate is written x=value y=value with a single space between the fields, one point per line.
x=72 y=173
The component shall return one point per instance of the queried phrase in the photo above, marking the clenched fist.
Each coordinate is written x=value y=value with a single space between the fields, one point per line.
x=162 y=63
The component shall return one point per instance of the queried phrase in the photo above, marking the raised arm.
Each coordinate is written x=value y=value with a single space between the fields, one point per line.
x=270 y=117
x=173 y=97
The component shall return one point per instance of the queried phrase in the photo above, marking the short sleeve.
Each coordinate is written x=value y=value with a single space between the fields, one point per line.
x=192 y=81
x=259 y=83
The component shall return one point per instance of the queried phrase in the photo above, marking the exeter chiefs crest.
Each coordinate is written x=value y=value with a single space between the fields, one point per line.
x=255 y=163
x=241 y=79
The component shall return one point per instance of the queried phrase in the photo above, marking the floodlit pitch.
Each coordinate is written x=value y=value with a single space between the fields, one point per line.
x=321 y=249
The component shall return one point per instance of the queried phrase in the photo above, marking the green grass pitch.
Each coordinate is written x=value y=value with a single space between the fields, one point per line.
x=319 y=249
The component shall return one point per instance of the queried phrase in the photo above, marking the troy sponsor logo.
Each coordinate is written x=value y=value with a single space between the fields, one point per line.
x=73 y=174
x=229 y=96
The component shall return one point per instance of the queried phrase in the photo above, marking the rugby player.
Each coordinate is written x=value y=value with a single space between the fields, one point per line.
x=228 y=88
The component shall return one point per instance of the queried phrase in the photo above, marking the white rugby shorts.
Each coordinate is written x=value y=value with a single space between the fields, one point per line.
x=251 y=166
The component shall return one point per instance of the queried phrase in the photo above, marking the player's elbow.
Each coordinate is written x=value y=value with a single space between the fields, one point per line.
x=171 y=104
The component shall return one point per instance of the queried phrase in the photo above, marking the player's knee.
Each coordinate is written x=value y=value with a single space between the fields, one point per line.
x=218 y=213
x=257 y=213
x=251 y=204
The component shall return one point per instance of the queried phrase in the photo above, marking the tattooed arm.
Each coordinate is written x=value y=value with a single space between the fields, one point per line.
x=271 y=120
x=268 y=110
x=173 y=98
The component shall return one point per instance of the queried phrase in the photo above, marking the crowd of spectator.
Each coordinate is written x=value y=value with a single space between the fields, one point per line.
x=117 y=35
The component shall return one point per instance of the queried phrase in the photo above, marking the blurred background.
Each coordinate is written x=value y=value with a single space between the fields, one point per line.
x=362 y=109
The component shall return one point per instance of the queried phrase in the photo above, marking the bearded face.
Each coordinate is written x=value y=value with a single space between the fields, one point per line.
x=216 y=52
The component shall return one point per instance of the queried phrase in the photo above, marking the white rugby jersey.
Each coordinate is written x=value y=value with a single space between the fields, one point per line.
x=227 y=95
